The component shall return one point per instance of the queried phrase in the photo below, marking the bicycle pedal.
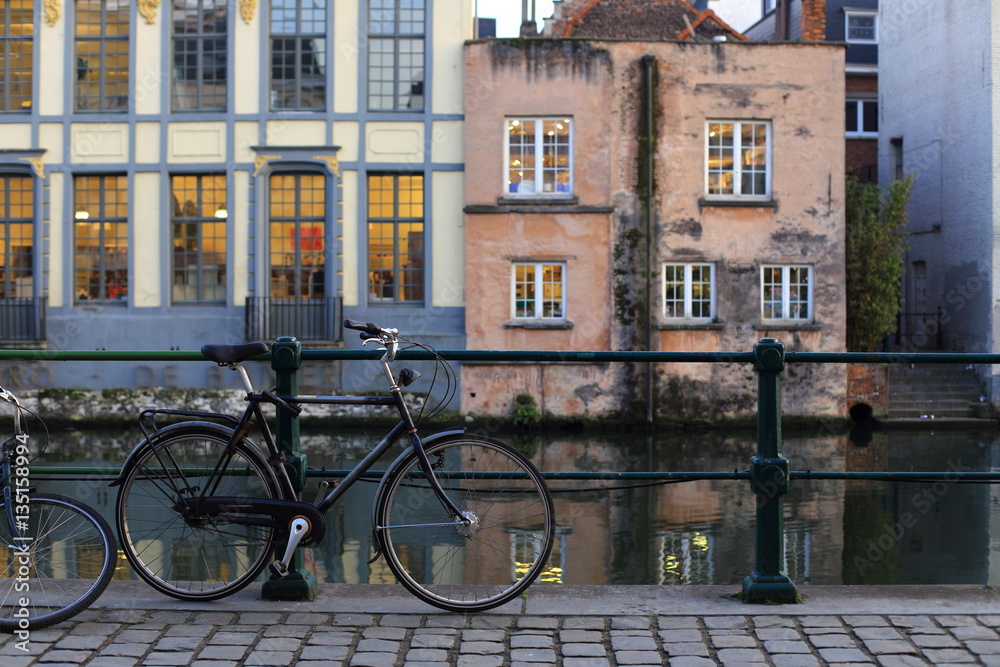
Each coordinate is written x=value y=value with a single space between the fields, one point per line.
x=323 y=486
x=278 y=569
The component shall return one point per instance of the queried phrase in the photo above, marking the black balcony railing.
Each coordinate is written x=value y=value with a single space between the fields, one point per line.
x=22 y=319
x=304 y=319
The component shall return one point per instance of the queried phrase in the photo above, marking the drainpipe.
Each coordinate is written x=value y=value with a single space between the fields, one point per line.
x=648 y=66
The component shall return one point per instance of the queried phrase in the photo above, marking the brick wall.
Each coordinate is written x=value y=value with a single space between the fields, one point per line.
x=813 y=20
x=867 y=383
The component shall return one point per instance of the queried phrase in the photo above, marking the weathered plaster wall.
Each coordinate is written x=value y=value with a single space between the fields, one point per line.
x=798 y=88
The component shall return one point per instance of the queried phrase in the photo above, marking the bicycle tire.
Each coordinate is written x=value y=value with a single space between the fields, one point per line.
x=195 y=557
x=475 y=567
x=68 y=559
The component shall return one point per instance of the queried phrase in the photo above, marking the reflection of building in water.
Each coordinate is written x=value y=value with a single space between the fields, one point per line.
x=701 y=532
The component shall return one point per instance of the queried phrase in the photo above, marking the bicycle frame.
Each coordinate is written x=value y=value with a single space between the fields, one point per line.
x=253 y=414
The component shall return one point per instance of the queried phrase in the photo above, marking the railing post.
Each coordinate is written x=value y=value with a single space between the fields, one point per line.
x=286 y=359
x=769 y=481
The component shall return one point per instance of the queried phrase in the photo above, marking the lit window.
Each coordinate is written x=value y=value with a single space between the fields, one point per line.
x=198 y=261
x=786 y=293
x=539 y=156
x=297 y=222
x=396 y=237
x=738 y=160
x=688 y=291
x=100 y=222
x=538 y=291
x=17 y=237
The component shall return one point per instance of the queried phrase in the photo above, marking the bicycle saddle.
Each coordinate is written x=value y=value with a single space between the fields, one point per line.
x=231 y=354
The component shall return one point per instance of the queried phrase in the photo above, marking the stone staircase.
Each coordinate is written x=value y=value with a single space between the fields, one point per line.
x=938 y=391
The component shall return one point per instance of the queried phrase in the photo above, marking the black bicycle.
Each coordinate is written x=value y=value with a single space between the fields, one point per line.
x=57 y=555
x=465 y=522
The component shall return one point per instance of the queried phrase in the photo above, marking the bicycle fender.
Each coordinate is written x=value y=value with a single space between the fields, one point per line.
x=429 y=440
x=223 y=431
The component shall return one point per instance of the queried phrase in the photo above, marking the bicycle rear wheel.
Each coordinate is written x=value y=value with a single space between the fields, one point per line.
x=174 y=548
x=495 y=553
x=62 y=561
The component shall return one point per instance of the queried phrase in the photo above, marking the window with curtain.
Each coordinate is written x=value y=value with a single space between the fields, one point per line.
x=396 y=55
x=17 y=50
x=739 y=160
x=396 y=237
x=102 y=51
x=298 y=54
x=200 y=55
x=786 y=293
x=198 y=229
x=297 y=241
x=100 y=224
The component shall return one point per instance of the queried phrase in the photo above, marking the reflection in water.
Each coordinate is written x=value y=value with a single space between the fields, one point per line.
x=836 y=531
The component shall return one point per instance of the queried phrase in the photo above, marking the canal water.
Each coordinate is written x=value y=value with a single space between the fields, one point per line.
x=836 y=531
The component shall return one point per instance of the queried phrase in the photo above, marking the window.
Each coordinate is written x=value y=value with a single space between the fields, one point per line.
x=199 y=55
x=862 y=118
x=861 y=27
x=786 y=293
x=539 y=290
x=739 y=160
x=539 y=156
x=102 y=44
x=17 y=45
x=101 y=238
x=17 y=214
x=396 y=54
x=298 y=54
x=297 y=223
x=396 y=237
x=688 y=291
x=199 y=238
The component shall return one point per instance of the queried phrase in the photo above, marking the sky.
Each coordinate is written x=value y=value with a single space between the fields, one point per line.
x=508 y=14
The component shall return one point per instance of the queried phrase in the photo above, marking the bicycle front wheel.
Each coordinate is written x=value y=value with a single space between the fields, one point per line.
x=490 y=554
x=62 y=559
x=172 y=546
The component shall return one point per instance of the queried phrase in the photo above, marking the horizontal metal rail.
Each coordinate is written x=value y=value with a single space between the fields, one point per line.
x=768 y=472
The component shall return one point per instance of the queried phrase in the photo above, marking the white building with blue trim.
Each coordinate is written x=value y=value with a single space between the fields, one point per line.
x=205 y=171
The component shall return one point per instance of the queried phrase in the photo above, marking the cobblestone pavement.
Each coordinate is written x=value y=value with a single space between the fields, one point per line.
x=642 y=626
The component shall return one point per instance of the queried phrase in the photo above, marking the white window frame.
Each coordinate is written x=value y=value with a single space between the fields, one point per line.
x=786 y=287
x=848 y=14
x=538 y=311
x=687 y=283
x=538 y=182
x=861 y=133
x=737 y=167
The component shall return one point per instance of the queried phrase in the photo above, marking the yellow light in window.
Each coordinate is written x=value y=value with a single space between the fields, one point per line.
x=81 y=215
x=711 y=134
x=222 y=214
x=515 y=123
x=551 y=133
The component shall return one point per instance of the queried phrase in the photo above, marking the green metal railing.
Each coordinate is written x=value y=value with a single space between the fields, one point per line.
x=768 y=472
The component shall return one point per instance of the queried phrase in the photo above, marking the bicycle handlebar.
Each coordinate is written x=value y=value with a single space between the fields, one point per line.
x=373 y=330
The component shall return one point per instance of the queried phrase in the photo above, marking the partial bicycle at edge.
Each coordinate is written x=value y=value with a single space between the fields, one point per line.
x=57 y=554
x=202 y=509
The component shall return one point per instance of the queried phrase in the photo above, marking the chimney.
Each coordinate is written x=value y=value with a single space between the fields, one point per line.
x=781 y=20
x=528 y=26
x=813 y=20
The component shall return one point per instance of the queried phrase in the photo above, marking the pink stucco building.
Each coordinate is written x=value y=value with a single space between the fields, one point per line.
x=737 y=192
